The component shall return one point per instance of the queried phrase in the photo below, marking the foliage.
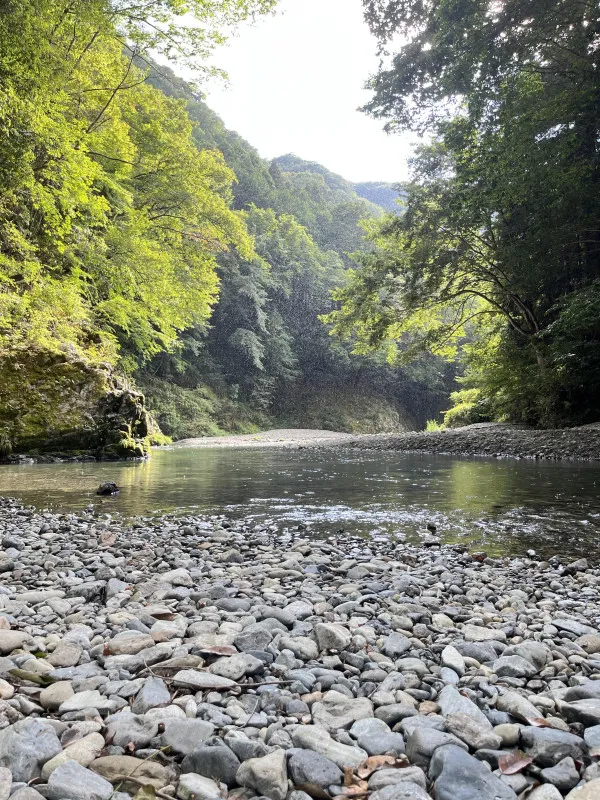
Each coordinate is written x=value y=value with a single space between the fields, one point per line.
x=434 y=425
x=266 y=348
x=138 y=235
x=500 y=227
x=185 y=412
x=111 y=218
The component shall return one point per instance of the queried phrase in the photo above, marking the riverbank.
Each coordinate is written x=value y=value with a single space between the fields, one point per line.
x=485 y=439
x=203 y=656
x=498 y=440
x=280 y=437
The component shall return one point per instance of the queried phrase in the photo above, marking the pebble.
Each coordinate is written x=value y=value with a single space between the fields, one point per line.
x=201 y=655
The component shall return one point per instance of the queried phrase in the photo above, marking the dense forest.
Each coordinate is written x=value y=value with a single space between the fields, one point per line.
x=158 y=277
x=144 y=246
x=495 y=262
x=266 y=357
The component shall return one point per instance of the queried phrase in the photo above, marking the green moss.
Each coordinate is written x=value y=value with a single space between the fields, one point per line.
x=59 y=404
x=159 y=439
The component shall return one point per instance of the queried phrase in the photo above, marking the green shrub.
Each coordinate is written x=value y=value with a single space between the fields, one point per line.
x=434 y=425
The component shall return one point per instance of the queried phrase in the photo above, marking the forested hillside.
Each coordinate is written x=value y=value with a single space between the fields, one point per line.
x=144 y=245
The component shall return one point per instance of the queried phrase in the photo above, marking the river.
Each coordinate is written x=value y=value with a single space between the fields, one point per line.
x=501 y=506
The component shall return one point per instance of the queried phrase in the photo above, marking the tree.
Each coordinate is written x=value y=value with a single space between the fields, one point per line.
x=501 y=222
x=111 y=219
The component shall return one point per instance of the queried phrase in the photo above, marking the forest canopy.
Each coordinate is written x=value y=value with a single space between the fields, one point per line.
x=496 y=260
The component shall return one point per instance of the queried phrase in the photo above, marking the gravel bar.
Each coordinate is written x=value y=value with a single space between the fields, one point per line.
x=488 y=439
x=201 y=658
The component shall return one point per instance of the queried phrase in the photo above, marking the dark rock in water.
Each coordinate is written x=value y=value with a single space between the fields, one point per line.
x=108 y=488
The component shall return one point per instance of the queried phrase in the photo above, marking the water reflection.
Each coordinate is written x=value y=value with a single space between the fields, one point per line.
x=499 y=505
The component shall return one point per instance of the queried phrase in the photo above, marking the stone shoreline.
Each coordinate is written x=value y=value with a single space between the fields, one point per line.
x=197 y=657
x=497 y=440
x=487 y=439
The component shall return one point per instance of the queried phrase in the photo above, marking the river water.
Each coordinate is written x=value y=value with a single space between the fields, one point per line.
x=501 y=506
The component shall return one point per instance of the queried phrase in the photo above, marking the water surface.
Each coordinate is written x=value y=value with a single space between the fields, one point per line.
x=502 y=506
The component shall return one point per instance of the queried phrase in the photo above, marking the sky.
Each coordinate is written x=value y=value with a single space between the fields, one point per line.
x=295 y=84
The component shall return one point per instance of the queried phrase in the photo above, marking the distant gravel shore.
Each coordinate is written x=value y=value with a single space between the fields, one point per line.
x=486 y=439
x=497 y=440
x=281 y=437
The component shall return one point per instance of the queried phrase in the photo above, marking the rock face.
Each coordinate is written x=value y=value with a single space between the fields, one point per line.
x=204 y=657
x=56 y=403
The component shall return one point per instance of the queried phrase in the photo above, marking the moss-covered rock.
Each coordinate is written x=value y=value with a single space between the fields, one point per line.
x=58 y=403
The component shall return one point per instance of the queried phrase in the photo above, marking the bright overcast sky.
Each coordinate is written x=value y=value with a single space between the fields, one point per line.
x=295 y=85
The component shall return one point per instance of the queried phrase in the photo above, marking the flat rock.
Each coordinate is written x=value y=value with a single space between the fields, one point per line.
x=314 y=738
x=545 y=792
x=153 y=693
x=266 y=775
x=514 y=667
x=67 y=654
x=88 y=699
x=517 y=706
x=183 y=735
x=451 y=701
x=13 y=640
x=585 y=711
x=401 y=791
x=423 y=742
x=113 y=768
x=590 y=791
x=71 y=781
x=390 y=777
x=459 y=776
x=564 y=775
x=548 y=746
x=27 y=793
x=590 y=642
x=235 y=667
x=83 y=751
x=306 y=767
x=197 y=787
x=25 y=746
x=573 y=626
x=54 y=695
x=396 y=645
x=337 y=711
x=536 y=653
x=192 y=679
x=129 y=643
x=477 y=633
x=125 y=727
x=471 y=732
x=452 y=659
x=214 y=759
x=332 y=636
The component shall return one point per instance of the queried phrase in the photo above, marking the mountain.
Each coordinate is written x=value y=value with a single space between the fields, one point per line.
x=384 y=195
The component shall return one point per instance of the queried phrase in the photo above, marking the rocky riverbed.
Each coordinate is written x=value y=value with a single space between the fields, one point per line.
x=196 y=657
x=489 y=439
